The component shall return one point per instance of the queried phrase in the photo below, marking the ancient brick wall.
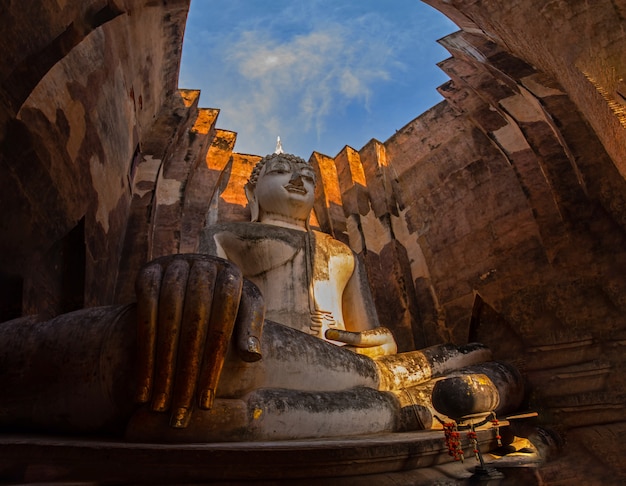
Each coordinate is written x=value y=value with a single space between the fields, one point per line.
x=510 y=210
x=579 y=44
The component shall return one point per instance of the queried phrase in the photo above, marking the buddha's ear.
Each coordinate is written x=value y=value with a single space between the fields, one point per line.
x=252 y=202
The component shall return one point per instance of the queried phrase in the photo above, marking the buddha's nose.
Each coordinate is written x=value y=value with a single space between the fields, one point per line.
x=296 y=180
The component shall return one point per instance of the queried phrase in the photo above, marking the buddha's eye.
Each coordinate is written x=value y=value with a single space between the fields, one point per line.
x=308 y=176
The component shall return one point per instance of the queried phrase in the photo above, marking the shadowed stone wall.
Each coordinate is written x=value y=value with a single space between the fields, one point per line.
x=81 y=86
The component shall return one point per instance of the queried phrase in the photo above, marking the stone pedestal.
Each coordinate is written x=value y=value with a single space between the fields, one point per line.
x=56 y=459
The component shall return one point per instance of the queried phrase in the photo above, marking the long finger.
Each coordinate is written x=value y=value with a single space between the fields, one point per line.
x=171 y=302
x=148 y=288
x=196 y=315
x=249 y=324
x=374 y=351
x=373 y=337
x=226 y=298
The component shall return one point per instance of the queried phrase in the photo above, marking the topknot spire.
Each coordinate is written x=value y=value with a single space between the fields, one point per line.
x=279 y=146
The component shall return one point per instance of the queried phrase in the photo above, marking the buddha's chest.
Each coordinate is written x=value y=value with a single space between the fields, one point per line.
x=297 y=276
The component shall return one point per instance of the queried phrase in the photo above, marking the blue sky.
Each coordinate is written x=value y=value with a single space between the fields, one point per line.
x=321 y=74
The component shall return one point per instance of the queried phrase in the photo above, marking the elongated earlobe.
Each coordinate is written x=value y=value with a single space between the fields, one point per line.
x=252 y=202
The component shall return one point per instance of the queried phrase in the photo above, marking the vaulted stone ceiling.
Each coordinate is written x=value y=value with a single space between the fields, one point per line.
x=498 y=215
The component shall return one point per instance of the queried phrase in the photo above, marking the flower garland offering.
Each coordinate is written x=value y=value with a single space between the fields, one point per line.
x=453 y=441
x=473 y=438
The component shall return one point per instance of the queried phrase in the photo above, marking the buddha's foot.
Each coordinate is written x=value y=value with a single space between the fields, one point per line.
x=482 y=388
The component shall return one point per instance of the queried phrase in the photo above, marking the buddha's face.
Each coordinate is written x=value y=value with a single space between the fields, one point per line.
x=285 y=188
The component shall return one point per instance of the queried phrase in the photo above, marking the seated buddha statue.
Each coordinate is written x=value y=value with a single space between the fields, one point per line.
x=269 y=333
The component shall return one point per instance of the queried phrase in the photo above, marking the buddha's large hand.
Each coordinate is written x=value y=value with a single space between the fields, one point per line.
x=374 y=342
x=187 y=309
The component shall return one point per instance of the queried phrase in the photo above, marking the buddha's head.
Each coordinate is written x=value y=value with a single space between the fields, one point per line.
x=281 y=189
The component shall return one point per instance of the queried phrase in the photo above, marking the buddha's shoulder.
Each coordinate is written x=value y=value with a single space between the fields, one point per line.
x=331 y=244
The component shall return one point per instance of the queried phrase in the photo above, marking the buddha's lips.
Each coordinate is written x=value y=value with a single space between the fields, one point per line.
x=295 y=189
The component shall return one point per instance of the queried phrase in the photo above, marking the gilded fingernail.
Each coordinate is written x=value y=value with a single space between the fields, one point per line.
x=143 y=394
x=254 y=346
x=160 y=402
x=206 y=399
x=180 y=418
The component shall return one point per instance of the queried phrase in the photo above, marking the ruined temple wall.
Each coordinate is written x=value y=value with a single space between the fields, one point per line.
x=82 y=83
x=518 y=213
x=538 y=177
x=579 y=44
x=463 y=213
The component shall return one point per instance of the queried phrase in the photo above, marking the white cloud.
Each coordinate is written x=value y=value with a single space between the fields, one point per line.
x=307 y=77
x=319 y=73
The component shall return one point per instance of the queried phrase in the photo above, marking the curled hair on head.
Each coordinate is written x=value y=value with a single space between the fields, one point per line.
x=294 y=159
